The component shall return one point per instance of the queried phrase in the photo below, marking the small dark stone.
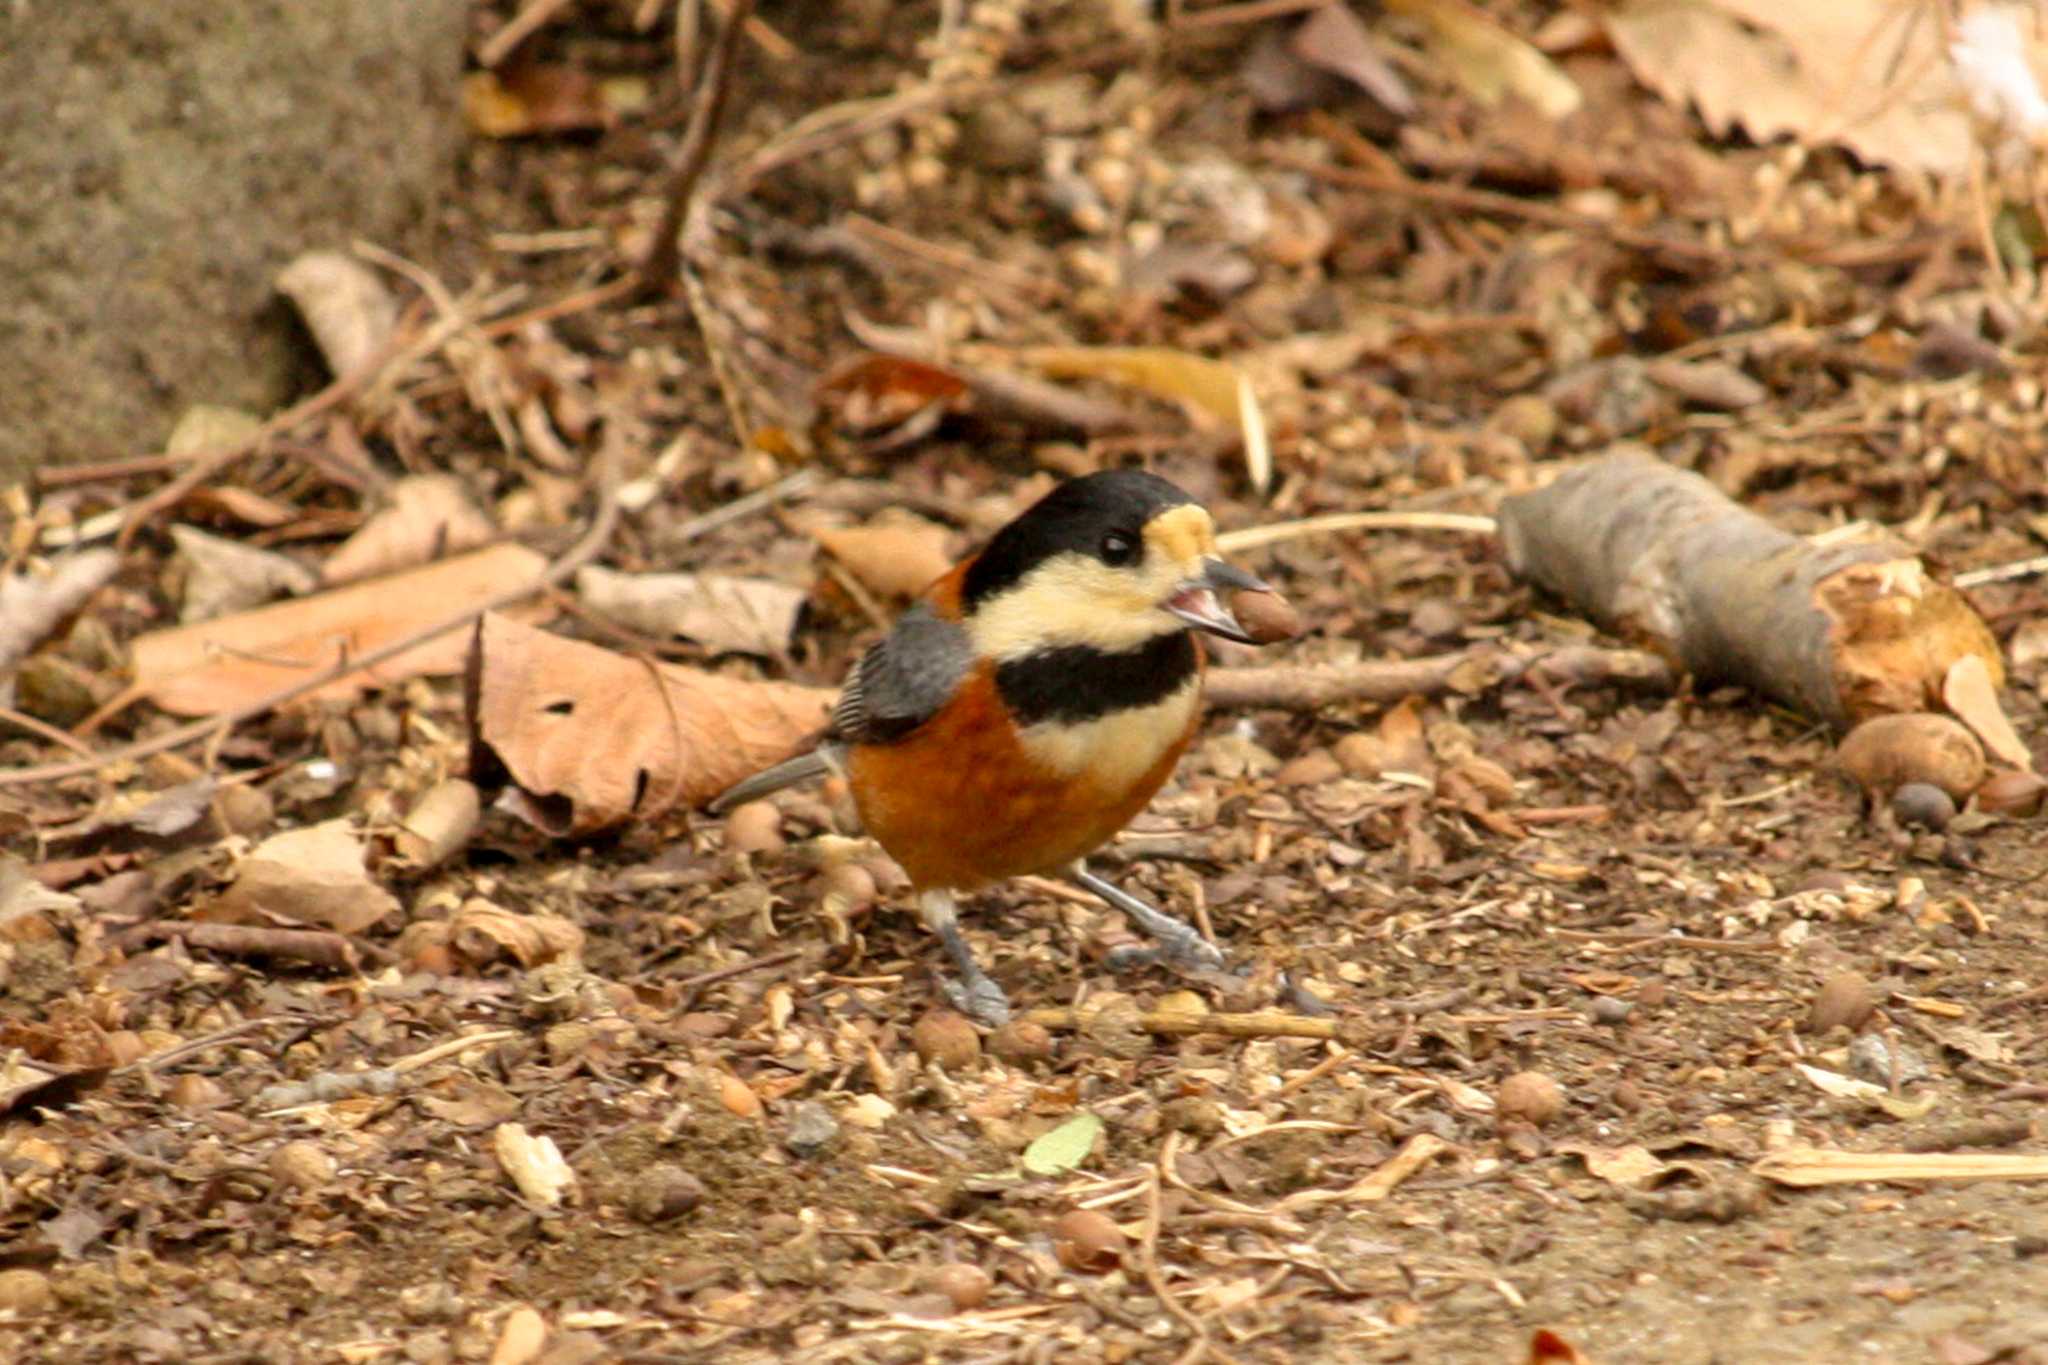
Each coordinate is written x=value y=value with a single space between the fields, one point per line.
x=664 y=1192
x=811 y=1130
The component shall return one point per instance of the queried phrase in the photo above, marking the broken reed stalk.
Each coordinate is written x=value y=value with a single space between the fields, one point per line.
x=1658 y=555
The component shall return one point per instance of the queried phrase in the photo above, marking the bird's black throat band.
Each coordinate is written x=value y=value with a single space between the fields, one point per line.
x=1075 y=683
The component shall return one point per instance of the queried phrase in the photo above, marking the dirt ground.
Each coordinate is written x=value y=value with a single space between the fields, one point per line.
x=1649 y=904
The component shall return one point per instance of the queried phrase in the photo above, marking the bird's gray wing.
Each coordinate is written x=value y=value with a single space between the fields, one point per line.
x=903 y=679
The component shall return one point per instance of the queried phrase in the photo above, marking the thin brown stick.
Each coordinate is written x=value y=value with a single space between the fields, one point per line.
x=105 y=471
x=659 y=272
x=1148 y=1262
x=42 y=730
x=1186 y=1023
x=321 y=947
x=1486 y=201
x=209 y=466
x=529 y=21
x=1247 y=12
x=1472 y=671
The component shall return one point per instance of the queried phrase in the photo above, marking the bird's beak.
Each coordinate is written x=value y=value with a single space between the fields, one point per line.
x=1195 y=600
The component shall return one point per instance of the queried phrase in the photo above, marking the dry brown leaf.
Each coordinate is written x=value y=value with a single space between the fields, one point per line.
x=594 y=738
x=1207 y=388
x=1335 y=39
x=32 y=605
x=1971 y=693
x=1548 y=1348
x=1869 y=74
x=226 y=575
x=539 y=98
x=1213 y=392
x=1633 y=1167
x=481 y=933
x=217 y=666
x=723 y=614
x=429 y=518
x=1490 y=62
x=895 y=555
x=438 y=824
x=345 y=304
x=205 y=428
x=305 y=876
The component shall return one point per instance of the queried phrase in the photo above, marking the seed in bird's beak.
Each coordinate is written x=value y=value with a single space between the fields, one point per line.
x=1195 y=601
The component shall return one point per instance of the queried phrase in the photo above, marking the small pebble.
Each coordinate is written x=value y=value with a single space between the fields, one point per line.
x=664 y=1192
x=1924 y=805
x=1609 y=1009
x=811 y=1129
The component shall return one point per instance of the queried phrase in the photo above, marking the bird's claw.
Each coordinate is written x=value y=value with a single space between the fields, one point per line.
x=1191 y=953
x=981 y=1000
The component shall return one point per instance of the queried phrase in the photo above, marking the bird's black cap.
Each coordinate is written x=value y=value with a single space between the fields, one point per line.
x=1076 y=517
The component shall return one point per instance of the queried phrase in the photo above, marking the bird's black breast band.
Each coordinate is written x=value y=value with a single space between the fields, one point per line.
x=1075 y=683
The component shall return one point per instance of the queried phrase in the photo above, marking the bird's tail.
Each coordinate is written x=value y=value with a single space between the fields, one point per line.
x=803 y=768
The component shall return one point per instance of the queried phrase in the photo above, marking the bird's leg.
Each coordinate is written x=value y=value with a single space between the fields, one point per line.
x=1176 y=943
x=976 y=994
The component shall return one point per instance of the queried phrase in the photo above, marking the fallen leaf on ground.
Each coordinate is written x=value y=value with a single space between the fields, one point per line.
x=1971 y=693
x=592 y=738
x=1335 y=39
x=32 y=605
x=1548 y=1348
x=1490 y=62
x=481 y=933
x=225 y=575
x=540 y=98
x=723 y=614
x=1632 y=1167
x=305 y=876
x=896 y=555
x=1869 y=74
x=1850 y=1088
x=216 y=666
x=429 y=518
x=345 y=303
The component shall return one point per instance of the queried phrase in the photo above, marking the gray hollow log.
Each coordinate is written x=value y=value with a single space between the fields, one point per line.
x=1660 y=557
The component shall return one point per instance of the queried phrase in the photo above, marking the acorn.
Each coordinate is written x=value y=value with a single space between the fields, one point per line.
x=1088 y=1241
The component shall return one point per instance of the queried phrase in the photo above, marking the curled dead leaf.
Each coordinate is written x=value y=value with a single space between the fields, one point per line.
x=215 y=666
x=345 y=304
x=428 y=517
x=305 y=876
x=723 y=614
x=593 y=738
x=438 y=825
x=896 y=556
x=226 y=575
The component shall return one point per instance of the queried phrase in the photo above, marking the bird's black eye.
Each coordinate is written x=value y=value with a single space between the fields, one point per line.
x=1119 y=549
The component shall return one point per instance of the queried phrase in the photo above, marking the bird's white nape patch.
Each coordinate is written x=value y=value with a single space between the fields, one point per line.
x=1118 y=749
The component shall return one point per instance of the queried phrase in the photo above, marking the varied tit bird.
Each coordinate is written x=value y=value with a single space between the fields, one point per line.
x=1030 y=703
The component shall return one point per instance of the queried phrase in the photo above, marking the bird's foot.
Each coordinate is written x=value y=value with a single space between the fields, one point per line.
x=1183 y=949
x=979 y=998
